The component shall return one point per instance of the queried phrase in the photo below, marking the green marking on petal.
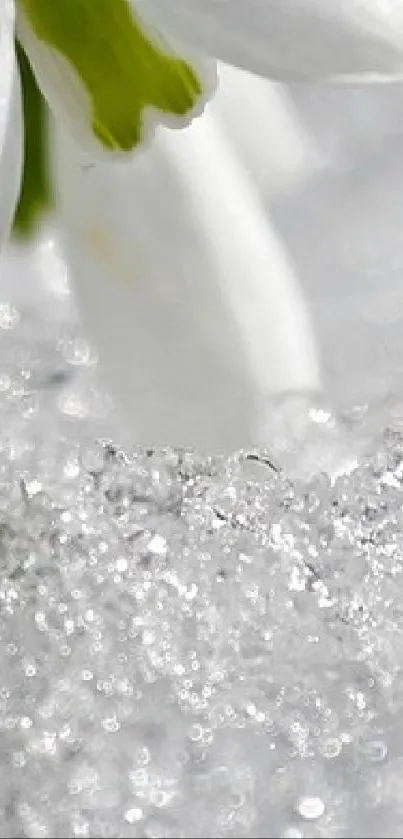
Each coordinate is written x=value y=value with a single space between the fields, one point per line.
x=35 y=194
x=123 y=70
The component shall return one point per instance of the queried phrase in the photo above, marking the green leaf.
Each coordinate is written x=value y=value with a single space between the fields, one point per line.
x=122 y=67
x=35 y=195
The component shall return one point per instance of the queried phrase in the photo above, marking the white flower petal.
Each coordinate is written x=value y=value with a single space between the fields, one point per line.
x=270 y=136
x=185 y=289
x=10 y=121
x=292 y=39
x=116 y=80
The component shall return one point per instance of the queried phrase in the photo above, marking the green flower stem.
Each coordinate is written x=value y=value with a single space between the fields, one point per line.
x=35 y=195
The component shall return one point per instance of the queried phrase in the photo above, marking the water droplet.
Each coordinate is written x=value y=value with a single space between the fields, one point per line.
x=374 y=750
x=72 y=468
x=331 y=748
x=93 y=458
x=77 y=352
x=157 y=545
x=310 y=807
x=111 y=725
x=31 y=487
x=135 y=814
x=9 y=316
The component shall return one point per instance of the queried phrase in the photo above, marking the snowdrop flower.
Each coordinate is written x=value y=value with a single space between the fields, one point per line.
x=186 y=289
